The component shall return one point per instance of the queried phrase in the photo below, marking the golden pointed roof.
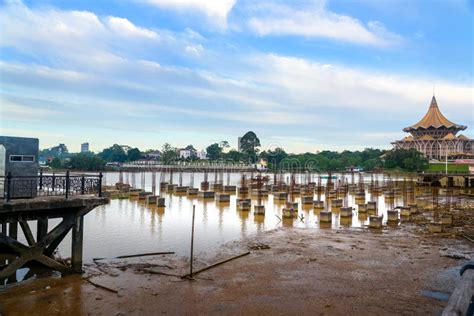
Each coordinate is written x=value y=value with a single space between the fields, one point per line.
x=449 y=136
x=426 y=137
x=434 y=118
x=462 y=137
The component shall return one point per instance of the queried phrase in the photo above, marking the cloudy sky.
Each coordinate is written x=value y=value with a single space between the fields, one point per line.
x=306 y=75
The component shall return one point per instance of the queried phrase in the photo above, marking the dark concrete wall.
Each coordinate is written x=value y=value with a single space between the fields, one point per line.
x=21 y=146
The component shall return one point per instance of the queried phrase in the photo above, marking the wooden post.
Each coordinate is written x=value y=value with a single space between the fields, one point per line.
x=192 y=244
x=42 y=229
x=77 y=241
x=13 y=230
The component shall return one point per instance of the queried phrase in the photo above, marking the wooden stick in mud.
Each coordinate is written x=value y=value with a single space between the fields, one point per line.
x=215 y=264
x=139 y=255
x=101 y=286
x=192 y=244
x=161 y=273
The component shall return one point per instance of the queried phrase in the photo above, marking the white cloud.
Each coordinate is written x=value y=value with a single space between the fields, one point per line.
x=194 y=50
x=315 y=20
x=306 y=83
x=126 y=28
x=215 y=10
x=68 y=36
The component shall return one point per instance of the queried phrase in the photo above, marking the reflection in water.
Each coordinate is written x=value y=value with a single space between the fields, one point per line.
x=126 y=226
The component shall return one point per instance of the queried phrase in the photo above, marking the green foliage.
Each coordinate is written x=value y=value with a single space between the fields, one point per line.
x=85 y=162
x=134 y=154
x=190 y=147
x=274 y=157
x=405 y=159
x=368 y=159
x=234 y=155
x=115 y=153
x=55 y=163
x=168 y=154
x=59 y=151
x=214 y=151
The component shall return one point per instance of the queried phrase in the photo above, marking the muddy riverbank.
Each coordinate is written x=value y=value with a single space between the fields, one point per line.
x=289 y=271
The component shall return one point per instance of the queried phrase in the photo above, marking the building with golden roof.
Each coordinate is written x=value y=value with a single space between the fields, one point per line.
x=435 y=136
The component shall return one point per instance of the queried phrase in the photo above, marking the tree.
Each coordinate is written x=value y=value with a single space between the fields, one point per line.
x=190 y=147
x=249 y=143
x=168 y=154
x=214 y=151
x=55 y=163
x=274 y=157
x=114 y=153
x=234 y=155
x=134 y=154
x=86 y=162
x=59 y=151
x=406 y=159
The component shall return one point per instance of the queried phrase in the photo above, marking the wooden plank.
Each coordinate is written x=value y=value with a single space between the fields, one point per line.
x=460 y=299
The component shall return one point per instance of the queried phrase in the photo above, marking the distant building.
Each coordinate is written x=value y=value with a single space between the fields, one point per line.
x=435 y=136
x=186 y=153
x=154 y=155
x=202 y=155
x=239 y=141
x=84 y=147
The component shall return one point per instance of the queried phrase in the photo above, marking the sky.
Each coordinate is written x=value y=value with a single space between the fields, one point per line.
x=305 y=75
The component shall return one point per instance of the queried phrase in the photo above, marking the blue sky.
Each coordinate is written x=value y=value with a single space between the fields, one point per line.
x=305 y=75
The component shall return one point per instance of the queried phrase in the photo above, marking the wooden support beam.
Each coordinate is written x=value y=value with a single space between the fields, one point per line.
x=36 y=251
x=77 y=241
x=13 y=266
x=42 y=228
x=49 y=251
x=13 y=230
x=11 y=243
x=27 y=231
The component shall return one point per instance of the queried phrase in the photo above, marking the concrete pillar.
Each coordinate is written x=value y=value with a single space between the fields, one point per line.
x=42 y=229
x=77 y=241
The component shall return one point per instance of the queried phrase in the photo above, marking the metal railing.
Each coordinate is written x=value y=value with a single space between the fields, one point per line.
x=15 y=187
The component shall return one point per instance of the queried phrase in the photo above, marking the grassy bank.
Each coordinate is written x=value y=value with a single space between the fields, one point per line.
x=441 y=167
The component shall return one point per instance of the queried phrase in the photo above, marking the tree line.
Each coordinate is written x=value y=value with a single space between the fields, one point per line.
x=276 y=159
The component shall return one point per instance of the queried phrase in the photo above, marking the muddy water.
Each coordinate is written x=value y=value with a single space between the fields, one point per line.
x=130 y=227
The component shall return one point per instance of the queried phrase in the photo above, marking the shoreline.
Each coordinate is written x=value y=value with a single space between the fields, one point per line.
x=289 y=271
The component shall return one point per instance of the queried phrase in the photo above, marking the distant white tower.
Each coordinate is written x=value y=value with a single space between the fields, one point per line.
x=84 y=147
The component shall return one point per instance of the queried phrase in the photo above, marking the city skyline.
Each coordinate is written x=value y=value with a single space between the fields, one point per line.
x=305 y=76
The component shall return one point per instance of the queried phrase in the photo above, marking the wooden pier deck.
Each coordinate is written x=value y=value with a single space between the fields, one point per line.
x=40 y=249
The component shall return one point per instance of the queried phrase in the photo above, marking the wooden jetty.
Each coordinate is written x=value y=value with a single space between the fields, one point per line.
x=61 y=199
